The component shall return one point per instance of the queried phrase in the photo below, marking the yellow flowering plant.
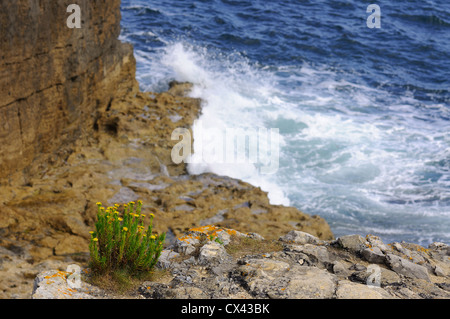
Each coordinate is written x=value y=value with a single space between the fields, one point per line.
x=121 y=243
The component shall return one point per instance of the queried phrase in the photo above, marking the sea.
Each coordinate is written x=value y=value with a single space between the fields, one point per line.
x=356 y=94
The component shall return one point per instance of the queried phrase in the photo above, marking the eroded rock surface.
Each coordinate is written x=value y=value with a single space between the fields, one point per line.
x=76 y=130
x=212 y=262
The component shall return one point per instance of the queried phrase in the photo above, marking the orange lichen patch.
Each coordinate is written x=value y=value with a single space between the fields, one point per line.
x=188 y=237
x=204 y=229
x=423 y=249
x=202 y=233
x=212 y=230
x=61 y=274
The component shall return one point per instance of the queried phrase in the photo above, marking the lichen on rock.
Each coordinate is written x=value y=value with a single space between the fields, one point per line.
x=208 y=271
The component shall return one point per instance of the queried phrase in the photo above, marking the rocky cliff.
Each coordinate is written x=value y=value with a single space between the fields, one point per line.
x=75 y=130
x=55 y=80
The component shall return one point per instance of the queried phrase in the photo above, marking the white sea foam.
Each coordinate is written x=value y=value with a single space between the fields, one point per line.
x=343 y=154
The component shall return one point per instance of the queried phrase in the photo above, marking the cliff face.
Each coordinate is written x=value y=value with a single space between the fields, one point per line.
x=75 y=130
x=54 y=80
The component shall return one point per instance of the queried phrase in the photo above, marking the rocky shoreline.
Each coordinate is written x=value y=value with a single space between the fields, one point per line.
x=45 y=223
x=300 y=266
x=83 y=132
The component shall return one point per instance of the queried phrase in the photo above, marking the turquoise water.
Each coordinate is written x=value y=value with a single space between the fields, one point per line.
x=363 y=114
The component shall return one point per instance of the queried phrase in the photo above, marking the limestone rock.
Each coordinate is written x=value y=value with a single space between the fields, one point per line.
x=350 y=290
x=437 y=246
x=353 y=243
x=53 y=81
x=340 y=270
x=165 y=259
x=376 y=242
x=211 y=253
x=407 y=268
x=299 y=237
x=316 y=254
x=54 y=285
x=299 y=271
x=276 y=279
x=374 y=255
x=439 y=271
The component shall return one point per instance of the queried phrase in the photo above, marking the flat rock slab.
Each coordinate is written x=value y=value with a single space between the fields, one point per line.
x=351 y=290
x=55 y=285
x=268 y=278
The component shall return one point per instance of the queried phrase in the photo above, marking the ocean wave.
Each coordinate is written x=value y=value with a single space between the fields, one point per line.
x=363 y=133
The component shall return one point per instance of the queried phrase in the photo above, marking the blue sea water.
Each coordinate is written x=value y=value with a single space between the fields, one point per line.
x=363 y=113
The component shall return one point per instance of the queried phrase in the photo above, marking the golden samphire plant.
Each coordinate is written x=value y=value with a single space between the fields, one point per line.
x=120 y=241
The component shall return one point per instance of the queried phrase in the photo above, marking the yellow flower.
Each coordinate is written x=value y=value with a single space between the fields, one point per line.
x=153 y=237
x=120 y=219
x=125 y=229
x=117 y=205
x=95 y=239
x=139 y=202
x=142 y=215
x=132 y=203
x=98 y=204
x=152 y=215
x=91 y=232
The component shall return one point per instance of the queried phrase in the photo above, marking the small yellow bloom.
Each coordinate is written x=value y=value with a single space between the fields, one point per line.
x=120 y=219
x=95 y=239
x=153 y=237
x=117 y=205
x=152 y=215
x=139 y=202
x=125 y=229
x=91 y=232
x=98 y=204
x=132 y=203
